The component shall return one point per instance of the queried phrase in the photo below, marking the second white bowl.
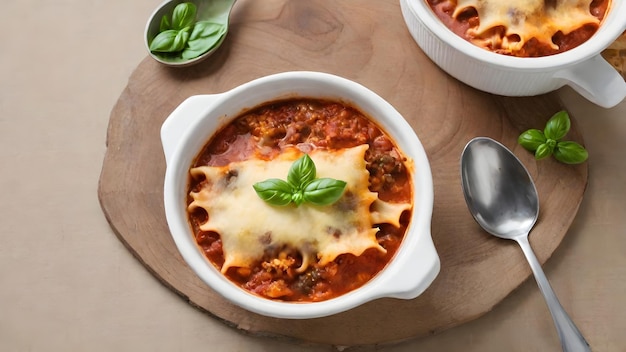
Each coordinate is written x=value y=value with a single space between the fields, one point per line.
x=582 y=68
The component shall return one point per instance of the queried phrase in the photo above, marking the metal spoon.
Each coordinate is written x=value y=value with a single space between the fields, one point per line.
x=503 y=199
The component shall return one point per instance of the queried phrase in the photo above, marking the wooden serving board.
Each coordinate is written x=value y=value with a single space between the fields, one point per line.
x=365 y=41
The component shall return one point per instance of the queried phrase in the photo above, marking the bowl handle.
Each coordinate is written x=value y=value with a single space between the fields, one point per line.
x=596 y=80
x=178 y=122
x=409 y=279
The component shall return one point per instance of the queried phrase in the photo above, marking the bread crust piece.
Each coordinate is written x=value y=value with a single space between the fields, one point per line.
x=615 y=54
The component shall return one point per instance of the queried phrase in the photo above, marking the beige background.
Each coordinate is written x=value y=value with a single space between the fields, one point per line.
x=68 y=284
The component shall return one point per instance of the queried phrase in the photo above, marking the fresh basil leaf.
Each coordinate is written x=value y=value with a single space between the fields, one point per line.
x=531 y=139
x=570 y=153
x=301 y=172
x=165 y=24
x=164 y=42
x=181 y=39
x=297 y=197
x=274 y=191
x=323 y=191
x=301 y=186
x=204 y=36
x=549 y=142
x=184 y=15
x=543 y=151
x=189 y=53
x=205 y=29
x=557 y=126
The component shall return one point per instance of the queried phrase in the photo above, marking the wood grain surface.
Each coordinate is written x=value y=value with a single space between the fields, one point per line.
x=367 y=42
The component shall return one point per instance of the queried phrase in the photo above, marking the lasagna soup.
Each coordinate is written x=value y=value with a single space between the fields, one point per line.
x=307 y=252
x=524 y=28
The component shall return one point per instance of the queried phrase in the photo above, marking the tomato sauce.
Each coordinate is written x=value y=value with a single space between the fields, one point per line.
x=532 y=48
x=307 y=124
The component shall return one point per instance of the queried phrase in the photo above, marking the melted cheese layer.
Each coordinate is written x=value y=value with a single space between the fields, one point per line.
x=526 y=19
x=248 y=226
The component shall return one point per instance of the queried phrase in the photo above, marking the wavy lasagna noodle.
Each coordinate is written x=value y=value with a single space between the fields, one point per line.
x=306 y=252
x=248 y=225
x=523 y=27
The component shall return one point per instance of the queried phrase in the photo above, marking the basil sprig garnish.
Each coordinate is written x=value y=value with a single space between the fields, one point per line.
x=301 y=186
x=184 y=15
x=549 y=141
x=184 y=38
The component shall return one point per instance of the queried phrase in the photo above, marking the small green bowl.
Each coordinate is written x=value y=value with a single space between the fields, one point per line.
x=215 y=10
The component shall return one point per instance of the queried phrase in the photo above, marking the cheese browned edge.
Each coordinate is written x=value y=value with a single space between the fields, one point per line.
x=525 y=19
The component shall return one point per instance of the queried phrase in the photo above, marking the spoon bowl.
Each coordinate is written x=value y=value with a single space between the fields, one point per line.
x=502 y=198
x=501 y=195
x=217 y=11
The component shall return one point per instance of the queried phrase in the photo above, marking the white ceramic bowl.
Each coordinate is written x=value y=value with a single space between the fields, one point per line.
x=189 y=127
x=582 y=67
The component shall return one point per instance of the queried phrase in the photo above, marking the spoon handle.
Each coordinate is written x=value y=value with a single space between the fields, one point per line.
x=570 y=336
